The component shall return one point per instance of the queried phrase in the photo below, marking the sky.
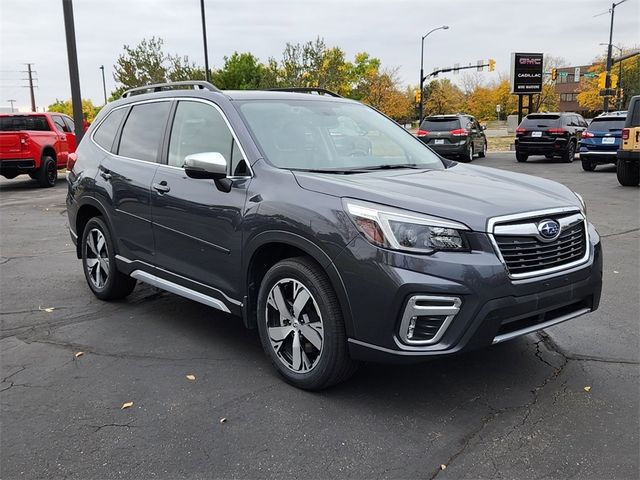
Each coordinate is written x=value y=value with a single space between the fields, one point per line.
x=33 y=31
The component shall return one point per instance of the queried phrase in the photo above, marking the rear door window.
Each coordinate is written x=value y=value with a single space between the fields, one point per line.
x=59 y=123
x=70 y=125
x=440 y=124
x=143 y=131
x=107 y=130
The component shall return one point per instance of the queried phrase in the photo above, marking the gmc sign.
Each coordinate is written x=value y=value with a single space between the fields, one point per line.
x=526 y=73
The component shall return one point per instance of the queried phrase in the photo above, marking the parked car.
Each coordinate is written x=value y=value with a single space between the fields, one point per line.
x=549 y=134
x=457 y=135
x=600 y=141
x=240 y=200
x=629 y=152
x=37 y=144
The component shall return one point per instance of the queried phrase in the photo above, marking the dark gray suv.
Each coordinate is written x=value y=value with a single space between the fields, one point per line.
x=325 y=225
x=459 y=136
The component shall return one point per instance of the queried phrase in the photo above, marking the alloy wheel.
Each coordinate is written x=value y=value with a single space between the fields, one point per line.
x=97 y=258
x=294 y=325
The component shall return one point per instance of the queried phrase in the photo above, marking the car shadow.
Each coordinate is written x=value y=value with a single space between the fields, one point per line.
x=24 y=182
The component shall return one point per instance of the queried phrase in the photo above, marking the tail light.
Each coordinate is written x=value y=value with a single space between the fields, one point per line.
x=556 y=131
x=422 y=133
x=520 y=131
x=459 y=132
x=24 y=142
x=586 y=134
x=71 y=161
x=625 y=134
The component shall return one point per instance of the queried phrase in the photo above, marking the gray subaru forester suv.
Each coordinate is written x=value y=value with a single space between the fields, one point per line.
x=325 y=225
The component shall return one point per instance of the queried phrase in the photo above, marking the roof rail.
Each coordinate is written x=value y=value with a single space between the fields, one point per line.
x=158 y=87
x=319 y=91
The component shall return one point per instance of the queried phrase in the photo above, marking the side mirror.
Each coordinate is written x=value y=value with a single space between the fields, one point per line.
x=206 y=165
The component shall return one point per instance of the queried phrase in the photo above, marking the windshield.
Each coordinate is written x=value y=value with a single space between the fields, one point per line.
x=332 y=136
x=540 y=121
x=440 y=124
x=606 y=124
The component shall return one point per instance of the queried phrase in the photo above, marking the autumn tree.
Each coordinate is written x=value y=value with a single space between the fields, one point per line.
x=65 y=106
x=442 y=96
x=381 y=90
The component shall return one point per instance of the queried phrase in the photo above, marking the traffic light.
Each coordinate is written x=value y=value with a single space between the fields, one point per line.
x=602 y=80
x=418 y=96
x=554 y=74
x=492 y=64
x=614 y=80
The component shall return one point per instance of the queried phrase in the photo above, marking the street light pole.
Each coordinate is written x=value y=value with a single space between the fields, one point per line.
x=609 y=51
x=74 y=76
x=443 y=27
x=104 y=85
x=207 y=74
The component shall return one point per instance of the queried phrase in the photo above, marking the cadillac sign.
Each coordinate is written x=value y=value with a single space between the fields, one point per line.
x=526 y=73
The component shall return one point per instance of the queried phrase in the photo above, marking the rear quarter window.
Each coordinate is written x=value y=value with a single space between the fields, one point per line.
x=606 y=124
x=16 y=123
x=106 y=131
x=541 y=121
x=440 y=124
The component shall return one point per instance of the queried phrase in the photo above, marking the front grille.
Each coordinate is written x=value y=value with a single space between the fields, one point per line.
x=527 y=254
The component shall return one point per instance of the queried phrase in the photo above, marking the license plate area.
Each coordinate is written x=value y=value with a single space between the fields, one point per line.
x=536 y=134
x=608 y=140
x=439 y=141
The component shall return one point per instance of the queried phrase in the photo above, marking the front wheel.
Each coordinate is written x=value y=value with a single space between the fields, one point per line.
x=628 y=173
x=99 y=263
x=301 y=325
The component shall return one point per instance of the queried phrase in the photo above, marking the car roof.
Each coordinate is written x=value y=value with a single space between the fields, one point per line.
x=616 y=114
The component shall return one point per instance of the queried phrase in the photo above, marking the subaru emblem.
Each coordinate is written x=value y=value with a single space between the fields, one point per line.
x=549 y=229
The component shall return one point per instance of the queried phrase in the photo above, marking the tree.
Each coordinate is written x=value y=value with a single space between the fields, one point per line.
x=442 y=96
x=241 y=71
x=65 y=106
x=381 y=91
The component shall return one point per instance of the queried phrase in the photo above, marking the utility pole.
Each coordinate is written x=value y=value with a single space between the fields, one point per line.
x=609 y=52
x=11 y=102
x=104 y=85
x=443 y=27
x=207 y=74
x=33 y=96
x=74 y=76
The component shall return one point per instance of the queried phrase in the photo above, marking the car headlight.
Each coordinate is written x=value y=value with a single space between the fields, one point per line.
x=583 y=205
x=406 y=231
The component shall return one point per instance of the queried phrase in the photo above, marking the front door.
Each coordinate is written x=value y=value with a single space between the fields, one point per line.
x=196 y=224
x=62 y=149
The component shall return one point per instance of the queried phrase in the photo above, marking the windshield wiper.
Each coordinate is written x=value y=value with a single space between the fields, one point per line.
x=394 y=167
x=336 y=172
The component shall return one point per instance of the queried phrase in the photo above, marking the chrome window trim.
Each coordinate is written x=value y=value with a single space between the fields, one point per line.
x=559 y=269
x=171 y=99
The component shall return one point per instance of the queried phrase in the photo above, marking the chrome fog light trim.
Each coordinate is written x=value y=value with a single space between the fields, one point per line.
x=427 y=305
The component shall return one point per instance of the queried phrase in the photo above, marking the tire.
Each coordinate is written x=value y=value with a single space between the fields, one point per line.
x=318 y=329
x=588 y=165
x=468 y=155
x=570 y=153
x=97 y=242
x=34 y=175
x=521 y=157
x=483 y=153
x=48 y=172
x=548 y=155
x=628 y=173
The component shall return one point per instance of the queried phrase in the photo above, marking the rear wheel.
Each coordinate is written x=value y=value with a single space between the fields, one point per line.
x=521 y=157
x=548 y=155
x=628 y=173
x=48 y=173
x=467 y=156
x=99 y=263
x=588 y=165
x=301 y=325
x=33 y=175
x=570 y=153
x=483 y=153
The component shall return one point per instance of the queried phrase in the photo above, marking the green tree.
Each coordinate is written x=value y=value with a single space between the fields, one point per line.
x=441 y=97
x=241 y=71
x=65 y=106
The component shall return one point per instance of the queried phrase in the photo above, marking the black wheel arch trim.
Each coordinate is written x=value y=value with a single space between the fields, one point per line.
x=97 y=204
x=310 y=248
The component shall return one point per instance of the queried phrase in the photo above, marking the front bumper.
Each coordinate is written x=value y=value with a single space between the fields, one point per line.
x=493 y=308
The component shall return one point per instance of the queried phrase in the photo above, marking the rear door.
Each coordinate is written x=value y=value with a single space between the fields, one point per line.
x=196 y=225
x=539 y=129
x=71 y=133
x=603 y=134
x=126 y=175
x=441 y=131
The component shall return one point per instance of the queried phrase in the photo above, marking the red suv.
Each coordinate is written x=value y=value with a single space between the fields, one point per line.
x=37 y=144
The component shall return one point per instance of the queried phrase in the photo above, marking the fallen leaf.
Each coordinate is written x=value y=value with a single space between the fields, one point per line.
x=78 y=354
x=616 y=271
x=126 y=405
x=443 y=467
x=48 y=309
x=191 y=377
x=223 y=419
x=587 y=388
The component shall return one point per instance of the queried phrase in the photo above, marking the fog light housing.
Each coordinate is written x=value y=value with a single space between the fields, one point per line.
x=425 y=318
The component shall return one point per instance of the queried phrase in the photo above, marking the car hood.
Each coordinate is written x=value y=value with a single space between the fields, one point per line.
x=464 y=193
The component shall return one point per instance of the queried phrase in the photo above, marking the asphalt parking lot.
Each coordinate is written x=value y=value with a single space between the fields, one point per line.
x=562 y=404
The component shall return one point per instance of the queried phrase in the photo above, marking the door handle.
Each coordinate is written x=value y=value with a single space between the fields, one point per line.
x=161 y=187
